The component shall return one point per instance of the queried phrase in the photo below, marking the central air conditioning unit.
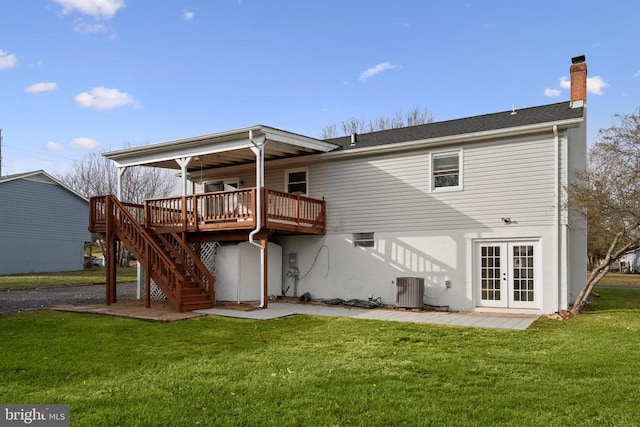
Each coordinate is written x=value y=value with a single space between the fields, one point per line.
x=410 y=292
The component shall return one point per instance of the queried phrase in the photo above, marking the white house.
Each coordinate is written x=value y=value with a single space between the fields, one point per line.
x=472 y=209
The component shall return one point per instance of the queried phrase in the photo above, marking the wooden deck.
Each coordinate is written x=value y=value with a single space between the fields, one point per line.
x=221 y=211
x=164 y=235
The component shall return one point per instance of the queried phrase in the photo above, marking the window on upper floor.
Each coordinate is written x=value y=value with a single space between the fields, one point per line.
x=446 y=171
x=297 y=181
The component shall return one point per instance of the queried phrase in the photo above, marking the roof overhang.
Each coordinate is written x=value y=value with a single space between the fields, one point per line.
x=222 y=149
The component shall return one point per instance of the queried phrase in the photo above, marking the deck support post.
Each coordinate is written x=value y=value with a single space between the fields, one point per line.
x=264 y=261
x=121 y=171
x=183 y=162
x=113 y=270
x=147 y=280
x=111 y=242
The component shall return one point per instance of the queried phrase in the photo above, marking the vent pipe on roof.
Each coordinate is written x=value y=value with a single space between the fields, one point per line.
x=354 y=139
x=578 y=72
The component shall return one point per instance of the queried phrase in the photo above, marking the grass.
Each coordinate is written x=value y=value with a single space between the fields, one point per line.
x=620 y=279
x=65 y=278
x=307 y=370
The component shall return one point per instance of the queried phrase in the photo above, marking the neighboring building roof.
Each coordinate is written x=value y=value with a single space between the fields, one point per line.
x=487 y=122
x=39 y=175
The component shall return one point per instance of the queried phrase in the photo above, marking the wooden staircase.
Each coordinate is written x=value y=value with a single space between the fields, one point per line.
x=166 y=258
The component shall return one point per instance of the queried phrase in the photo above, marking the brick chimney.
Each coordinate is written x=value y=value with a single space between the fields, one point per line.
x=578 y=72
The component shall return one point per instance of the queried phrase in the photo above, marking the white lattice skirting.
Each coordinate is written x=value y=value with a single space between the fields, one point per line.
x=209 y=250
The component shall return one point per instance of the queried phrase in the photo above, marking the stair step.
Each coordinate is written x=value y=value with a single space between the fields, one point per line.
x=193 y=292
x=190 y=284
x=197 y=305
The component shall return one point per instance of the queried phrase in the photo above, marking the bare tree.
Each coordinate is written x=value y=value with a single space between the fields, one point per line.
x=330 y=131
x=608 y=196
x=96 y=175
x=415 y=116
x=352 y=125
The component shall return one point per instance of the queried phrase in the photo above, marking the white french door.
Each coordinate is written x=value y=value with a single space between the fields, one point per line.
x=507 y=274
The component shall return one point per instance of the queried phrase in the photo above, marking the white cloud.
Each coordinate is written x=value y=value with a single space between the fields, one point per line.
x=552 y=93
x=187 y=15
x=7 y=60
x=84 y=27
x=96 y=8
x=565 y=83
x=37 y=88
x=102 y=98
x=376 y=69
x=53 y=146
x=85 y=143
x=637 y=74
x=596 y=84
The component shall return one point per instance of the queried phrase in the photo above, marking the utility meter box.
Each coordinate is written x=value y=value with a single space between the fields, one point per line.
x=293 y=260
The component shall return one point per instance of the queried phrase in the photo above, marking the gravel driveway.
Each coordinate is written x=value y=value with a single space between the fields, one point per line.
x=29 y=299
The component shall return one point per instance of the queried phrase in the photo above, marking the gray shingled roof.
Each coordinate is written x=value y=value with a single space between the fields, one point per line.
x=486 y=122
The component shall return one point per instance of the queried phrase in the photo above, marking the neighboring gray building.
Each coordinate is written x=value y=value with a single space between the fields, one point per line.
x=43 y=224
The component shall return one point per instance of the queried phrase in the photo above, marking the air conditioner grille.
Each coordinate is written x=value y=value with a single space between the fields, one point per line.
x=410 y=292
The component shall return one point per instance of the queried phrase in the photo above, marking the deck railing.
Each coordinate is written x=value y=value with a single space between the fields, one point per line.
x=290 y=208
x=98 y=212
x=236 y=210
x=222 y=210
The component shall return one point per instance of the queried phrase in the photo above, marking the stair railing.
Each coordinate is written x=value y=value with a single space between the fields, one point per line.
x=160 y=267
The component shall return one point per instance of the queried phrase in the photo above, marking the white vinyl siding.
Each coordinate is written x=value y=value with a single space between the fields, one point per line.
x=511 y=178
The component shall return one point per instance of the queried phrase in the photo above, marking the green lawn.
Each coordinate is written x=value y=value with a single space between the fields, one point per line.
x=620 y=279
x=65 y=278
x=306 y=370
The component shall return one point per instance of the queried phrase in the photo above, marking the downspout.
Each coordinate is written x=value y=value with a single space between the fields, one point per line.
x=558 y=201
x=564 y=227
x=258 y=150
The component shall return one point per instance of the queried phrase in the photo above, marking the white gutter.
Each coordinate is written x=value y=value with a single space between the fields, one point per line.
x=258 y=150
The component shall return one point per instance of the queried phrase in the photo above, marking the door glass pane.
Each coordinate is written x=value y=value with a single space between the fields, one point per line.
x=523 y=273
x=490 y=273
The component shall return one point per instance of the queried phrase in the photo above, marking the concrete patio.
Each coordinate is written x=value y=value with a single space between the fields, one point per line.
x=479 y=320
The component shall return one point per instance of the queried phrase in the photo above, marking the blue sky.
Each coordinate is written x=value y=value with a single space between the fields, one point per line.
x=82 y=75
